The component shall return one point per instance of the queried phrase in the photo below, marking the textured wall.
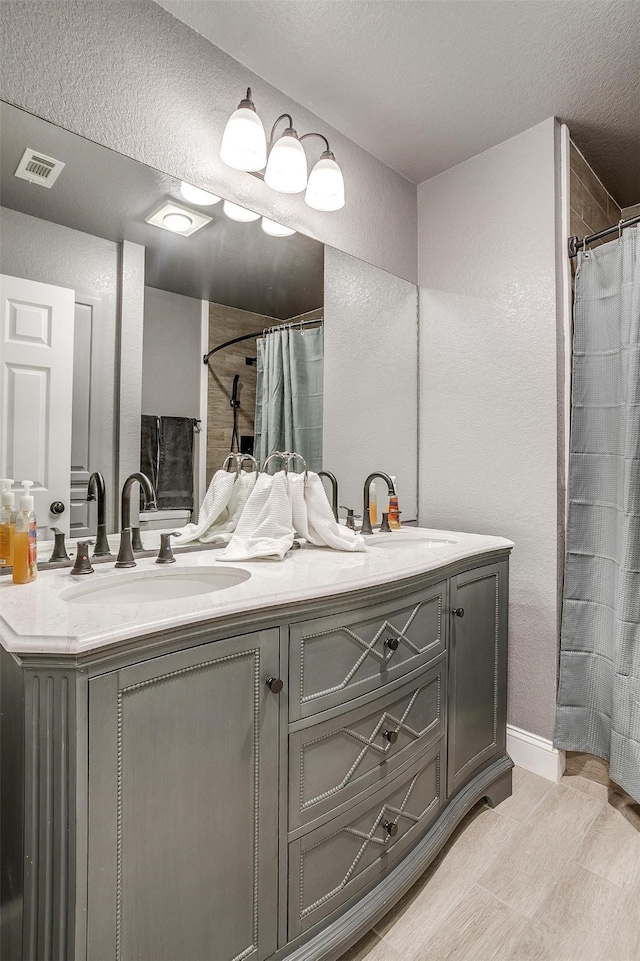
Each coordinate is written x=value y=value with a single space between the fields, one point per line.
x=370 y=380
x=488 y=415
x=171 y=358
x=132 y=77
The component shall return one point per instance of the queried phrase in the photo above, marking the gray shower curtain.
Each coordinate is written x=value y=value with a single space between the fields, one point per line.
x=289 y=394
x=599 y=689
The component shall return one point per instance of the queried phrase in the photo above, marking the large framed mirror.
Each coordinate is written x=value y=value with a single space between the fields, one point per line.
x=140 y=305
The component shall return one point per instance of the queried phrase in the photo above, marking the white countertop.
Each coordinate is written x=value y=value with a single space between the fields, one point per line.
x=42 y=617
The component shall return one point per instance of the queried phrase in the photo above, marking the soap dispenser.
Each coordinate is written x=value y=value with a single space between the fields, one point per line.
x=25 y=551
x=394 y=508
x=7 y=523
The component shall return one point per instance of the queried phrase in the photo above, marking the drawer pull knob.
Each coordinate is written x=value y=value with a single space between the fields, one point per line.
x=392 y=643
x=391 y=736
x=458 y=611
x=275 y=684
x=391 y=827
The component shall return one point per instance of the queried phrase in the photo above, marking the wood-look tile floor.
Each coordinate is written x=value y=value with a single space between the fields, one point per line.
x=551 y=874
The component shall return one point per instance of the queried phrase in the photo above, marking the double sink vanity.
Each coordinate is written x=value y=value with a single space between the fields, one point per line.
x=242 y=761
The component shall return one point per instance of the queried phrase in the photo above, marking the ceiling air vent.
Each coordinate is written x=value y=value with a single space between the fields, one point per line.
x=37 y=168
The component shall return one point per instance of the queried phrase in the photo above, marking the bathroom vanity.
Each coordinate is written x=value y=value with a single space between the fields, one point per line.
x=258 y=772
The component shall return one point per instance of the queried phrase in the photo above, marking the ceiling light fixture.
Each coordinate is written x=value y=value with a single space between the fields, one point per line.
x=241 y=214
x=180 y=223
x=274 y=229
x=196 y=195
x=173 y=216
x=244 y=144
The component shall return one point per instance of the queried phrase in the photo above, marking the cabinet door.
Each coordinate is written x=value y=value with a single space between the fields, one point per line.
x=183 y=753
x=477 y=670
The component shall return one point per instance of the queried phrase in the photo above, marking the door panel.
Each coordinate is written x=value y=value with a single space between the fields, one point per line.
x=36 y=383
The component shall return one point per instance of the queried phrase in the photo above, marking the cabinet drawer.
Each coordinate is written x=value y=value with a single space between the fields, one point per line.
x=331 y=762
x=351 y=853
x=342 y=656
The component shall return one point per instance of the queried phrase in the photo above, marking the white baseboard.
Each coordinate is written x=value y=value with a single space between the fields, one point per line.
x=535 y=753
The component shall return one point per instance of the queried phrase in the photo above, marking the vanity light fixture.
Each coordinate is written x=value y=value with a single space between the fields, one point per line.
x=241 y=214
x=286 y=167
x=196 y=195
x=274 y=229
x=244 y=144
x=173 y=216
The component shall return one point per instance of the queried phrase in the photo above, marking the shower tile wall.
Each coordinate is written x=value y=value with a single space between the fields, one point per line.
x=225 y=323
x=592 y=206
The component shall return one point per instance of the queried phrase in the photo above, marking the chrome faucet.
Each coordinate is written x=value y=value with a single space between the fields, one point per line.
x=366 y=520
x=96 y=490
x=334 y=490
x=125 y=554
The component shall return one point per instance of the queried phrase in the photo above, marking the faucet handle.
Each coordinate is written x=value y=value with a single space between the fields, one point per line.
x=59 y=550
x=351 y=517
x=82 y=564
x=165 y=554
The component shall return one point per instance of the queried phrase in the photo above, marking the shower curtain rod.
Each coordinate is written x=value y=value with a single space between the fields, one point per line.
x=258 y=333
x=575 y=244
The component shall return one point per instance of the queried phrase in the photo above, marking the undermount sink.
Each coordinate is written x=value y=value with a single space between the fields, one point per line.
x=406 y=537
x=143 y=587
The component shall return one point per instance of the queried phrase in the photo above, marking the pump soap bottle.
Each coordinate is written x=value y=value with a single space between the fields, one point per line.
x=394 y=509
x=25 y=551
x=7 y=523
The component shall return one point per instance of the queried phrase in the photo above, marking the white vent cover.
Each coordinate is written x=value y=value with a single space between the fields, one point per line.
x=37 y=168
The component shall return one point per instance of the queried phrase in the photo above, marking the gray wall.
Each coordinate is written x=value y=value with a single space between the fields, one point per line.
x=489 y=429
x=132 y=77
x=370 y=380
x=171 y=357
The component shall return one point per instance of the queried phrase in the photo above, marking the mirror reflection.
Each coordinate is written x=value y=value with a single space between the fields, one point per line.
x=93 y=244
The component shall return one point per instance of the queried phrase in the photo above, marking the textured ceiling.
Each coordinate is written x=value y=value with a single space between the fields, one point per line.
x=425 y=85
x=107 y=195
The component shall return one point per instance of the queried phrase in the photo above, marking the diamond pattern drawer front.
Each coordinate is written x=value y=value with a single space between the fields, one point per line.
x=333 y=761
x=339 y=657
x=330 y=865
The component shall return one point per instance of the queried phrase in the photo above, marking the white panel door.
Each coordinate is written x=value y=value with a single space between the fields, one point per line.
x=36 y=386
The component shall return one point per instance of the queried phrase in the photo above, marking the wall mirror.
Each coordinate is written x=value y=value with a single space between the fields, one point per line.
x=140 y=304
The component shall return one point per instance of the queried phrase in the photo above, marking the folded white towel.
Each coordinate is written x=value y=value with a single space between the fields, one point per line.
x=215 y=501
x=313 y=518
x=265 y=528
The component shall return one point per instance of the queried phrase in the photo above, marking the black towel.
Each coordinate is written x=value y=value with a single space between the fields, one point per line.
x=149 y=441
x=175 y=463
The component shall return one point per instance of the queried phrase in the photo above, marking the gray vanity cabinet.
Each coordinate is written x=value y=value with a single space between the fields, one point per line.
x=183 y=800
x=477 y=670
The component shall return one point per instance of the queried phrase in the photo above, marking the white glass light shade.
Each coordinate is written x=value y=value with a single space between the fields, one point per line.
x=325 y=190
x=274 y=229
x=177 y=222
x=244 y=144
x=196 y=195
x=287 y=166
x=236 y=212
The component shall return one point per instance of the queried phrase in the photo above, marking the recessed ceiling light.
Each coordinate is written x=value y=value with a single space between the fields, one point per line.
x=178 y=219
x=178 y=222
x=275 y=229
x=236 y=212
x=196 y=195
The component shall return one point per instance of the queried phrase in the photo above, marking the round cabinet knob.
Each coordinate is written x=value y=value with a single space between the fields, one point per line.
x=458 y=611
x=392 y=643
x=275 y=684
x=390 y=827
x=391 y=736
x=57 y=507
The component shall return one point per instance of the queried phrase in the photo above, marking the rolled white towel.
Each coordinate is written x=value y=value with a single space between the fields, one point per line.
x=265 y=528
x=215 y=501
x=323 y=529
